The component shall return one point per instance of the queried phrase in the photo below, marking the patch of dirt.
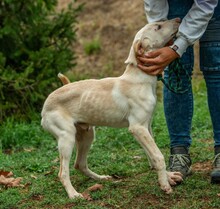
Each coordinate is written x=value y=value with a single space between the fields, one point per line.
x=202 y=166
x=149 y=200
x=114 y=24
x=37 y=197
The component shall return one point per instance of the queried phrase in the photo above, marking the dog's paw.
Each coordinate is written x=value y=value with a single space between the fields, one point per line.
x=174 y=178
x=167 y=189
x=104 y=177
x=75 y=195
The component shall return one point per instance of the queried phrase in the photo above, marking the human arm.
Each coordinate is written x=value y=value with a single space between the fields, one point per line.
x=191 y=29
x=194 y=24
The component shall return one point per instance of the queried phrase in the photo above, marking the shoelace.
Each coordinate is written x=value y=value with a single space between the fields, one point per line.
x=216 y=161
x=181 y=159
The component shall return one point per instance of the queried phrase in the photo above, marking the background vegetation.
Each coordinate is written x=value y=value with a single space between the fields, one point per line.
x=35 y=44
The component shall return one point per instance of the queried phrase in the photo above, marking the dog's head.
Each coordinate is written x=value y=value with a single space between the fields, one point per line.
x=153 y=36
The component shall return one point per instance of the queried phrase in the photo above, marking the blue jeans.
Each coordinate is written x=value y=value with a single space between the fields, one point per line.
x=179 y=107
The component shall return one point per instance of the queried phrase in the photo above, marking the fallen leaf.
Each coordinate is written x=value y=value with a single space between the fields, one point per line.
x=95 y=187
x=6 y=173
x=86 y=196
x=10 y=182
x=7 y=180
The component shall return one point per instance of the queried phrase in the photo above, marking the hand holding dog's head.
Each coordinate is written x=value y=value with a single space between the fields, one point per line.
x=152 y=36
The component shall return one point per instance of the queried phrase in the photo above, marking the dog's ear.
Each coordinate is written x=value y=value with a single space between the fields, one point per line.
x=135 y=46
x=132 y=55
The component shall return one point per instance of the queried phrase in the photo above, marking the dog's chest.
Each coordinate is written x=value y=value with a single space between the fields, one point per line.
x=100 y=109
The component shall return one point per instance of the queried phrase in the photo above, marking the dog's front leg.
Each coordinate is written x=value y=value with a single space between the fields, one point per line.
x=174 y=178
x=147 y=142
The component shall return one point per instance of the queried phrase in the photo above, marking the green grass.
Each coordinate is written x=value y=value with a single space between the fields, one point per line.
x=32 y=154
x=92 y=47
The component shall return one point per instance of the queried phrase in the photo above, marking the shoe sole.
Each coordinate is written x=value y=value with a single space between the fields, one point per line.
x=215 y=179
x=215 y=176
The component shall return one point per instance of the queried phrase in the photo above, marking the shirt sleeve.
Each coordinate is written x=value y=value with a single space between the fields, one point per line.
x=193 y=25
x=156 y=10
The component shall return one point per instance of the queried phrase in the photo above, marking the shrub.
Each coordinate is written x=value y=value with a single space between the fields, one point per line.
x=35 y=44
x=21 y=135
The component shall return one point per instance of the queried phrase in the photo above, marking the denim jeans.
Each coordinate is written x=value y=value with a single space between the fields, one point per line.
x=179 y=107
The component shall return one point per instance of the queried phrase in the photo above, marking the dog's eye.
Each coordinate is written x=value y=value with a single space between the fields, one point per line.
x=158 y=27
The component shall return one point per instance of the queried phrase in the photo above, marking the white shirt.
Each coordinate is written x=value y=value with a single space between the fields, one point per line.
x=193 y=25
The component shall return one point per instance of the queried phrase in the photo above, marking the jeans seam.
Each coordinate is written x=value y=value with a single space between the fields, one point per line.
x=203 y=68
x=190 y=114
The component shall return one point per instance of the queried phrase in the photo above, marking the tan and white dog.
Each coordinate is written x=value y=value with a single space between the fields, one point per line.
x=70 y=112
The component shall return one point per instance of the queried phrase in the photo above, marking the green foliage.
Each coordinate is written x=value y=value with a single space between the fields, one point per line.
x=92 y=47
x=21 y=135
x=35 y=44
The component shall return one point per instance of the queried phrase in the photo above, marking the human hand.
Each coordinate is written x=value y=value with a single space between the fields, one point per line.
x=154 y=62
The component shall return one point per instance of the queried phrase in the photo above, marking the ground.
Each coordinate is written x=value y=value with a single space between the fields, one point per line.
x=113 y=24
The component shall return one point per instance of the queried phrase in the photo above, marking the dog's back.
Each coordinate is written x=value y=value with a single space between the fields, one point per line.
x=94 y=102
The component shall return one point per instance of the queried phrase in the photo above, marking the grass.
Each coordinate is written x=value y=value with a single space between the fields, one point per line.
x=32 y=154
x=92 y=47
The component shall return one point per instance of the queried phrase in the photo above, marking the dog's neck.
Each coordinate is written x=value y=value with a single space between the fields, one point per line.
x=133 y=73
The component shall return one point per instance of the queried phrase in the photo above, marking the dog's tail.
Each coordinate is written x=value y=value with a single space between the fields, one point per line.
x=63 y=79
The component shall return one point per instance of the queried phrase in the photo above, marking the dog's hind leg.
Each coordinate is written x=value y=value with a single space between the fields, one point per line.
x=84 y=139
x=64 y=131
x=65 y=145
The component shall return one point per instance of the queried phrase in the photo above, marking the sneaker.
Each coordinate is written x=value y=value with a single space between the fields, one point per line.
x=180 y=161
x=215 y=175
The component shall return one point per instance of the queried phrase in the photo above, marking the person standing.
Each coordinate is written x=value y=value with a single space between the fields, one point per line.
x=200 y=21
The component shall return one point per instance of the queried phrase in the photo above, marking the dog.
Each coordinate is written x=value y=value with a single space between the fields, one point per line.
x=71 y=112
